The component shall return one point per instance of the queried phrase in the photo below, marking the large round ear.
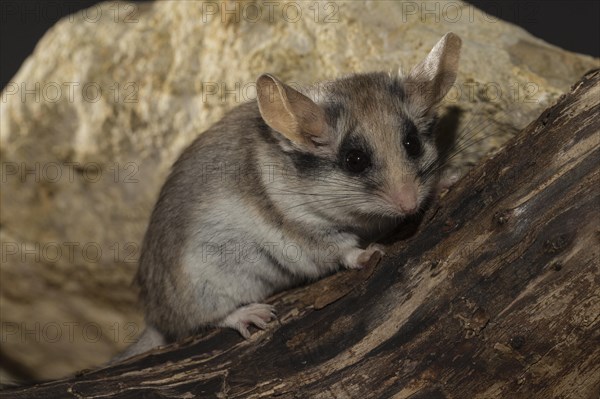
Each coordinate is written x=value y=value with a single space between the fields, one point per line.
x=290 y=113
x=432 y=78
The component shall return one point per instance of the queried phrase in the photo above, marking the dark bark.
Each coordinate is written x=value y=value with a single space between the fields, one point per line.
x=497 y=295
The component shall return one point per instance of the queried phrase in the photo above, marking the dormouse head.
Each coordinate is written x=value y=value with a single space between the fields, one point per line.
x=366 y=140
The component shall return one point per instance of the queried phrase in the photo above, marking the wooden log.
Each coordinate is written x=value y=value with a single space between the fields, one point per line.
x=496 y=296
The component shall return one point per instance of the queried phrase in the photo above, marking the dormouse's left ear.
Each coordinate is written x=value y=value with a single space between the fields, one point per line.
x=290 y=113
x=433 y=77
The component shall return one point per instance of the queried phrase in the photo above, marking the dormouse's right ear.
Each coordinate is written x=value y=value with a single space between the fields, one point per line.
x=433 y=77
x=290 y=112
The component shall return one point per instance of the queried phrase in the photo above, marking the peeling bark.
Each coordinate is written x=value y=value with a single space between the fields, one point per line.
x=497 y=295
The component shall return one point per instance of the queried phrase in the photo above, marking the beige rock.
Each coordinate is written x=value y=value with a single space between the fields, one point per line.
x=91 y=123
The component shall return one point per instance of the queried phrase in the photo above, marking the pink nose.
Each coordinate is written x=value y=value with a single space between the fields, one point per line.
x=405 y=198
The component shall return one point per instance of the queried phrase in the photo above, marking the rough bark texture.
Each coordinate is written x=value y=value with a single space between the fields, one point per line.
x=497 y=295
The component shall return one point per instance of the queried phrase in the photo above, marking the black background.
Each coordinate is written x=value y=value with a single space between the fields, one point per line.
x=573 y=25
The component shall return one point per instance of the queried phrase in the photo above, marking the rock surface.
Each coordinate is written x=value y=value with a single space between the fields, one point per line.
x=91 y=123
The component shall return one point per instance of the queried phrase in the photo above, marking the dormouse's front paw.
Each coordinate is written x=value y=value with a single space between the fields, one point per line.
x=358 y=258
x=258 y=314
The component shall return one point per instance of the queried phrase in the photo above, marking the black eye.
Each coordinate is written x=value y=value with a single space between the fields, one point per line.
x=413 y=145
x=357 y=161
